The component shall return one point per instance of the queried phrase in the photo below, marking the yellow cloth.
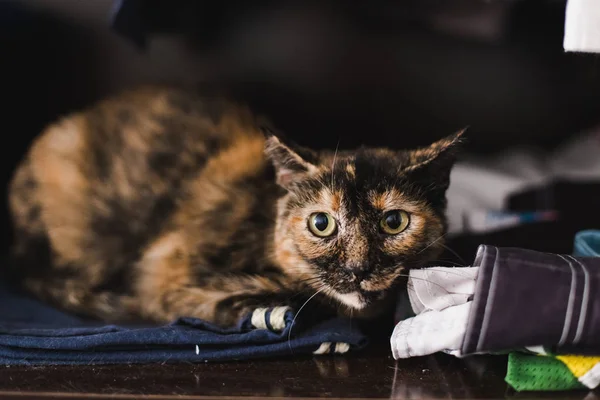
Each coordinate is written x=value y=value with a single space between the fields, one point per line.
x=579 y=365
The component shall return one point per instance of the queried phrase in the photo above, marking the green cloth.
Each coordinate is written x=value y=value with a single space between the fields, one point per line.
x=528 y=372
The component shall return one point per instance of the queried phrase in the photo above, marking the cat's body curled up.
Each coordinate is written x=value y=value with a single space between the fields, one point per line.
x=159 y=203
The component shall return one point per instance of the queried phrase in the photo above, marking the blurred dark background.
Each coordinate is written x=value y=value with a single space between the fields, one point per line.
x=394 y=73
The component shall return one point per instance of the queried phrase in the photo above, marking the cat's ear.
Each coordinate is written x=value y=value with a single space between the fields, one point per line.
x=290 y=166
x=435 y=162
x=442 y=151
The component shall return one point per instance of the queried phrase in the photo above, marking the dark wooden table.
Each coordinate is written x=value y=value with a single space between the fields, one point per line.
x=371 y=374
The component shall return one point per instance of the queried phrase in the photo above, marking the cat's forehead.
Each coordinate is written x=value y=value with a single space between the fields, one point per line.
x=359 y=183
x=343 y=200
x=365 y=164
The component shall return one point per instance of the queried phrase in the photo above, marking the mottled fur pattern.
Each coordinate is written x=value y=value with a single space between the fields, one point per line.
x=159 y=203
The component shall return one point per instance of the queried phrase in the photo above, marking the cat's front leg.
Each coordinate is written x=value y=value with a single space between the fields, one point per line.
x=265 y=310
x=223 y=301
x=167 y=288
x=276 y=309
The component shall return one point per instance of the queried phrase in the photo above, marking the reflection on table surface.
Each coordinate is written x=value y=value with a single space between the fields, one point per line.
x=372 y=373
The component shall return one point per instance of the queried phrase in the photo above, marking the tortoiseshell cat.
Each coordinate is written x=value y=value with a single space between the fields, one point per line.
x=159 y=203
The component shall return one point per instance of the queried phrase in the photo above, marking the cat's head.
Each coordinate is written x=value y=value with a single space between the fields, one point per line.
x=352 y=222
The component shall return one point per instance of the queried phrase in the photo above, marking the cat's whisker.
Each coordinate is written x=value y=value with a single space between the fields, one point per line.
x=426 y=280
x=449 y=272
x=455 y=253
x=333 y=163
x=299 y=293
x=296 y=316
x=309 y=288
x=444 y=259
x=452 y=263
x=432 y=243
x=310 y=280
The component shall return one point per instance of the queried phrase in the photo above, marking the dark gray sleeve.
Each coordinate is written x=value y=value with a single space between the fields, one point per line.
x=527 y=298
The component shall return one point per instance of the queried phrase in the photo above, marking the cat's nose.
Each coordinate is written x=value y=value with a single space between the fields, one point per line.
x=359 y=273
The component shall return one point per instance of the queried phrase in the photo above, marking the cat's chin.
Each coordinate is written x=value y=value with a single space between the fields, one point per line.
x=361 y=304
x=353 y=300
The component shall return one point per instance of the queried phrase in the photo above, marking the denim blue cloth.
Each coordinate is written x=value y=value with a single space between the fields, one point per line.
x=34 y=333
x=587 y=244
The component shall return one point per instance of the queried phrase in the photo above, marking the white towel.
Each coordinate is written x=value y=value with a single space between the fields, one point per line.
x=431 y=332
x=582 y=26
x=440 y=298
x=437 y=288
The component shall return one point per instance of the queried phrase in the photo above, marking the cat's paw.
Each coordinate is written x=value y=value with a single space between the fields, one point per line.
x=328 y=347
x=270 y=318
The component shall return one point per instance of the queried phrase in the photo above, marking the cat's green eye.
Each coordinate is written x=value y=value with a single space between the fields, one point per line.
x=322 y=224
x=394 y=222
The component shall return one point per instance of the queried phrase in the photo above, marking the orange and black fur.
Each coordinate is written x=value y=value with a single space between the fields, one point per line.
x=159 y=203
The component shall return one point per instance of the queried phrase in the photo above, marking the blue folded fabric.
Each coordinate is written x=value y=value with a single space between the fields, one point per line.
x=33 y=333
